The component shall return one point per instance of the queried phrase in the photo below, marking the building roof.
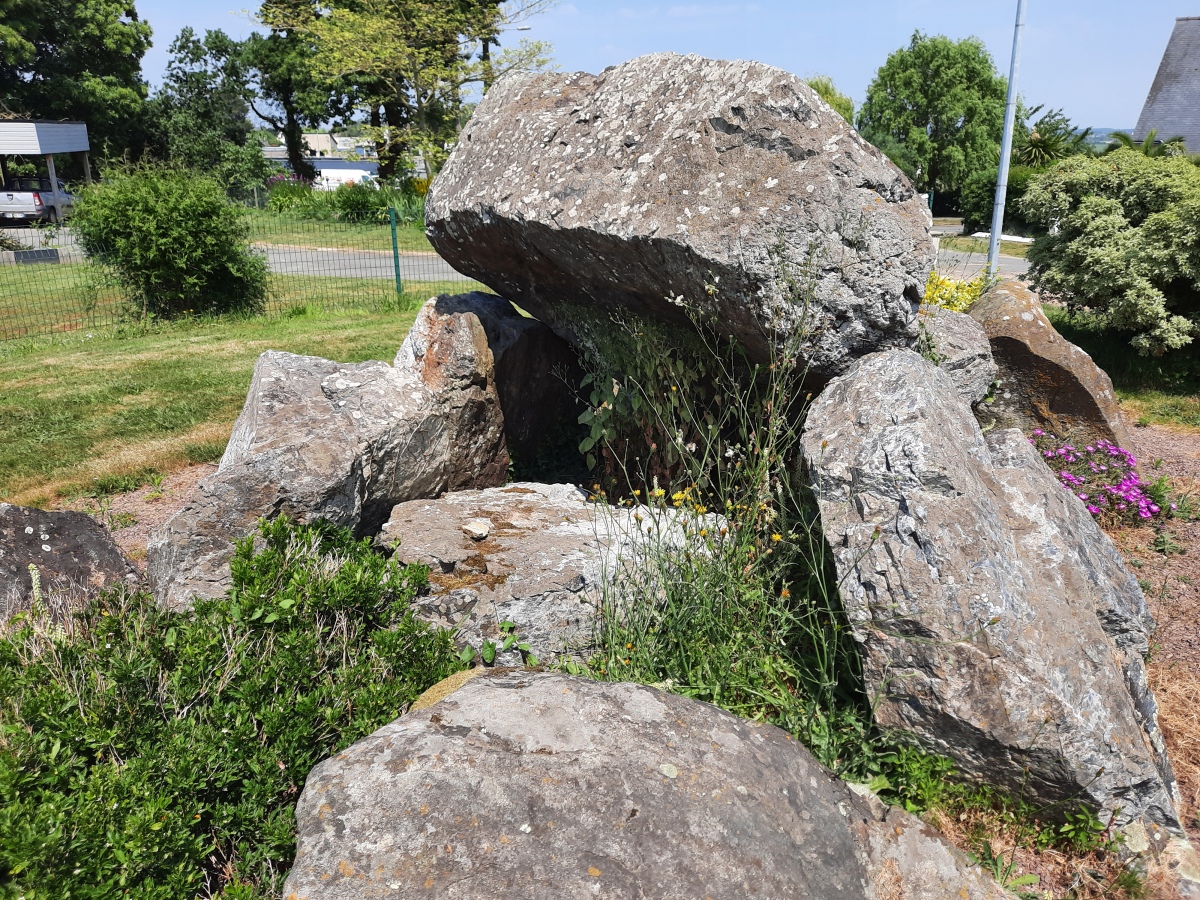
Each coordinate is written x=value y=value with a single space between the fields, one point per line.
x=25 y=136
x=1173 y=106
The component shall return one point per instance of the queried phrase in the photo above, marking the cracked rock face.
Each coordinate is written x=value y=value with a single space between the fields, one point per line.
x=543 y=786
x=962 y=350
x=997 y=623
x=578 y=196
x=320 y=439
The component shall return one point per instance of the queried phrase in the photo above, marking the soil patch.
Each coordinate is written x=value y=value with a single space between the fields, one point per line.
x=133 y=516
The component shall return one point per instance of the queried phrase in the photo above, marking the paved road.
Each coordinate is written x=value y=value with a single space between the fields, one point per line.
x=358 y=264
x=954 y=264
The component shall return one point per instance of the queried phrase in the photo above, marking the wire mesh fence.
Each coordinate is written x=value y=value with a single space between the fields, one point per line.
x=48 y=284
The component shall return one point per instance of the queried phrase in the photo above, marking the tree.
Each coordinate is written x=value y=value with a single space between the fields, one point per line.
x=1049 y=139
x=75 y=59
x=936 y=107
x=202 y=111
x=1151 y=146
x=408 y=62
x=289 y=96
x=828 y=92
x=1120 y=241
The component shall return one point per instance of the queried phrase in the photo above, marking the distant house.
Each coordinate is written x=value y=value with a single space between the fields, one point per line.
x=319 y=144
x=1173 y=107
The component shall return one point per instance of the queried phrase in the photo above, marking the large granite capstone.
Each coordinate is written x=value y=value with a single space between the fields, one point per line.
x=727 y=185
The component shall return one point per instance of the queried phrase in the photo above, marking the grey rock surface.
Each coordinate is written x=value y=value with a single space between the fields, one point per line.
x=545 y=787
x=73 y=553
x=531 y=554
x=581 y=196
x=320 y=439
x=539 y=555
x=997 y=623
x=962 y=350
x=1045 y=381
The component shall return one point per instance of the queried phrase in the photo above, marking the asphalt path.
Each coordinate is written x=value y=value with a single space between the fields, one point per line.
x=953 y=264
x=285 y=260
x=341 y=263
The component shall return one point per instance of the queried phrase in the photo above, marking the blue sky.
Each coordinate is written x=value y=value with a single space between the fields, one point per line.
x=1094 y=58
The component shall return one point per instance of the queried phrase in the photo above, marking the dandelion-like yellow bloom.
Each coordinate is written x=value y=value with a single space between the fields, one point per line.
x=777 y=538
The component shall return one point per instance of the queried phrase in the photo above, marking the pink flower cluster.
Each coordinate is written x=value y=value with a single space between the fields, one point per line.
x=1102 y=475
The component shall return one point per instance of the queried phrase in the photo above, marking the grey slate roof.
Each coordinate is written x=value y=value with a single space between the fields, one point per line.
x=1173 y=106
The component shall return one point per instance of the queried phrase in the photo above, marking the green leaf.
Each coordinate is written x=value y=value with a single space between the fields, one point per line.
x=488 y=653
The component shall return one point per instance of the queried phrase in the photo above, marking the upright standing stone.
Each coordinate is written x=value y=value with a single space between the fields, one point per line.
x=998 y=624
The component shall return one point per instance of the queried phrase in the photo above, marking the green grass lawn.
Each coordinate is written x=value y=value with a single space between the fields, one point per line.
x=293 y=231
x=978 y=245
x=74 y=409
x=1159 y=391
x=37 y=300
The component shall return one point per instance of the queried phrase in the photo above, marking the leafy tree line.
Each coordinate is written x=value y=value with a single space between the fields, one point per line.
x=401 y=68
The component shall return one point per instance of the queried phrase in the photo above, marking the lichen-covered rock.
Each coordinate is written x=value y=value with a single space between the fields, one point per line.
x=71 y=551
x=544 y=787
x=541 y=556
x=959 y=346
x=319 y=439
x=997 y=623
x=577 y=196
x=1045 y=381
x=531 y=554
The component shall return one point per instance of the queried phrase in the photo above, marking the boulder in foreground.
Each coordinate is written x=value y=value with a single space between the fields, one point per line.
x=71 y=551
x=543 y=786
x=997 y=623
x=580 y=196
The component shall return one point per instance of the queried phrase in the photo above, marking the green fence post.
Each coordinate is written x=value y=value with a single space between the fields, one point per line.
x=395 y=251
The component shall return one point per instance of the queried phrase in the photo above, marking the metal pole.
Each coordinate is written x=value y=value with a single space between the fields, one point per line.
x=1010 y=116
x=58 y=205
x=395 y=251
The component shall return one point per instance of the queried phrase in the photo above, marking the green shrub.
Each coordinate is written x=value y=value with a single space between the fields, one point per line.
x=355 y=202
x=1121 y=243
x=977 y=200
x=174 y=242
x=156 y=755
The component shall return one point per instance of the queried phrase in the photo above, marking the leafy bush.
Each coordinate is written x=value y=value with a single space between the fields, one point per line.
x=156 y=755
x=1120 y=242
x=977 y=199
x=173 y=241
x=948 y=293
x=357 y=202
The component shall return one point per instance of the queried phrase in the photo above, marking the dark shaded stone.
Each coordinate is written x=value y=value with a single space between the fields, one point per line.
x=72 y=551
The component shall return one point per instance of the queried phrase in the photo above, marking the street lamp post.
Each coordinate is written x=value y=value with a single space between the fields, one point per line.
x=1010 y=115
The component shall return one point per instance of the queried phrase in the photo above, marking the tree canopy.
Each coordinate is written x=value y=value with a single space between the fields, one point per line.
x=407 y=62
x=75 y=59
x=936 y=107
x=828 y=92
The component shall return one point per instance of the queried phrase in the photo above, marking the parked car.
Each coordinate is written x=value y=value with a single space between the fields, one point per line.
x=31 y=198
